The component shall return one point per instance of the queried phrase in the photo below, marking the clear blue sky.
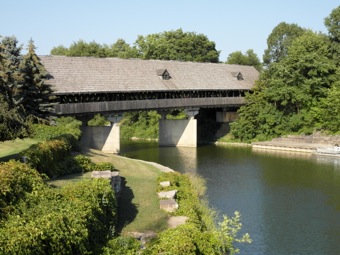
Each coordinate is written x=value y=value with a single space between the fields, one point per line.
x=232 y=25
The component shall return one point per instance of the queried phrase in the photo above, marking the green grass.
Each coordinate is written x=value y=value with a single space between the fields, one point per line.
x=11 y=149
x=138 y=202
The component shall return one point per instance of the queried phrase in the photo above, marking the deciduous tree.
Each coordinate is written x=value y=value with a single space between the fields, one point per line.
x=279 y=41
x=177 y=45
x=250 y=59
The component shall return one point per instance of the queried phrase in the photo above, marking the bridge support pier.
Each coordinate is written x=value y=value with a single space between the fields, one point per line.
x=112 y=143
x=178 y=132
x=104 y=138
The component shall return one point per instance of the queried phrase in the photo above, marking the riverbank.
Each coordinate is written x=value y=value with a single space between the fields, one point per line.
x=292 y=143
x=299 y=143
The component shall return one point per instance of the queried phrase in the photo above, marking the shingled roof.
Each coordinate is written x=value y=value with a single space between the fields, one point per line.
x=88 y=74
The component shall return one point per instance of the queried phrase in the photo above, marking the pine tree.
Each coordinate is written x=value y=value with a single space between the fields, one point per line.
x=34 y=94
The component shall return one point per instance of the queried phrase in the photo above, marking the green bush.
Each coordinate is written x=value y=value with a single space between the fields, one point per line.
x=77 y=219
x=46 y=156
x=200 y=235
x=86 y=164
x=63 y=125
x=17 y=182
x=186 y=239
x=122 y=245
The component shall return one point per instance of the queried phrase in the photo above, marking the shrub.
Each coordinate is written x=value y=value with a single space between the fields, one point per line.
x=45 y=156
x=63 y=125
x=122 y=245
x=17 y=182
x=86 y=164
x=77 y=219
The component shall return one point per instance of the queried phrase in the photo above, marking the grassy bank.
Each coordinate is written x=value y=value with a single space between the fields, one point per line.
x=11 y=149
x=138 y=202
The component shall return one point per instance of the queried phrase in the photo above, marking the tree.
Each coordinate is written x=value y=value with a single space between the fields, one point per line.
x=121 y=49
x=289 y=92
x=279 y=41
x=84 y=49
x=59 y=51
x=33 y=93
x=249 y=59
x=332 y=22
x=12 y=124
x=177 y=45
x=9 y=68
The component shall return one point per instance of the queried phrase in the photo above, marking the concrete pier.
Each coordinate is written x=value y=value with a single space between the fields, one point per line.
x=178 y=132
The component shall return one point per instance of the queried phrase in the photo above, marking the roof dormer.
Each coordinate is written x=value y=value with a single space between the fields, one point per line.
x=237 y=75
x=163 y=74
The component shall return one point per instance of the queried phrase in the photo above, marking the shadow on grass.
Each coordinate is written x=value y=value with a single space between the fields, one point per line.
x=9 y=157
x=127 y=211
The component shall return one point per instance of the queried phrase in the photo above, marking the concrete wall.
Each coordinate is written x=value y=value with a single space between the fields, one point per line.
x=106 y=139
x=224 y=117
x=178 y=132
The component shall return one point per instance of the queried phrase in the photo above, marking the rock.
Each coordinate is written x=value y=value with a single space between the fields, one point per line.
x=101 y=174
x=113 y=176
x=167 y=194
x=165 y=184
x=169 y=205
x=176 y=221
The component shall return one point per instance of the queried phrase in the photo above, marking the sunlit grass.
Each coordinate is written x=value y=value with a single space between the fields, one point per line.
x=11 y=149
x=139 y=203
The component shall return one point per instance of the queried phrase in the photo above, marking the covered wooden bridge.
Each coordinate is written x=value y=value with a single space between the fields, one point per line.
x=88 y=85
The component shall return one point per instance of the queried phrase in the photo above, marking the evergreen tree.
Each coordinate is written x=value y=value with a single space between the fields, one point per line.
x=33 y=92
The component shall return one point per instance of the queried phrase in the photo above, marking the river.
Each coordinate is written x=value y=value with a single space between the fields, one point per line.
x=289 y=202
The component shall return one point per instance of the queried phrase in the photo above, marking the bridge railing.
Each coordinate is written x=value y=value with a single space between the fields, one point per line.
x=121 y=106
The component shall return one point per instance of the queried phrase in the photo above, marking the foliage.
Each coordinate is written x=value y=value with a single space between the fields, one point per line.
x=333 y=25
x=98 y=120
x=292 y=95
x=279 y=41
x=120 y=49
x=77 y=219
x=140 y=124
x=46 y=156
x=17 y=182
x=228 y=230
x=122 y=245
x=86 y=164
x=199 y=235
x=63 y=125
x=33 y=93
x=12 y=124
x=250 y=59
x=177 y=45
x=22 y=89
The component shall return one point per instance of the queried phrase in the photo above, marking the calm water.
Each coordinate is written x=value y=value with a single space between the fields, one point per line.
x=290 y=203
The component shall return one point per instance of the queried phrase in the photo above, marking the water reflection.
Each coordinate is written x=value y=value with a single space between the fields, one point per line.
x=289 y=202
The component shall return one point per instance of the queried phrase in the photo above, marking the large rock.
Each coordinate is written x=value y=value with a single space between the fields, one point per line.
x=165 y=184
x=167 y=194
x=169 y=205
x=113 y=176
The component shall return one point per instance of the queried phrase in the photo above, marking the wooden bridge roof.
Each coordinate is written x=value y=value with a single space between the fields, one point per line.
x=73 y=75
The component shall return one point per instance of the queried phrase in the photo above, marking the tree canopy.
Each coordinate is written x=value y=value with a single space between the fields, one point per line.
x=169 y=45
x=177 y=45
x=298 y=92
x=249 y=59
x=279 y=41
x=22 y=87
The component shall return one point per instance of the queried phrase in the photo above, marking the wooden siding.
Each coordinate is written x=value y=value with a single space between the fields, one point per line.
x=122 y=106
